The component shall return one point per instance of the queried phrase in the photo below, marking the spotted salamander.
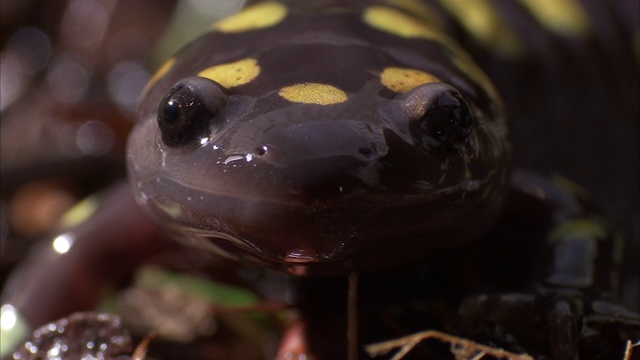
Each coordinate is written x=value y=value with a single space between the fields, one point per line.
x=322 y=140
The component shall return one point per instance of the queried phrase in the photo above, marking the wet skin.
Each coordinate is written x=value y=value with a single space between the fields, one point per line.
x=320 y=143
x=321 y=188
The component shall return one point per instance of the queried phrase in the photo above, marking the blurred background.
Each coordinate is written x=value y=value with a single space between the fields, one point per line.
x=71 y=73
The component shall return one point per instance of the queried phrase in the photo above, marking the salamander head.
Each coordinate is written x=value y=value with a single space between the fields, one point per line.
x=317 y=158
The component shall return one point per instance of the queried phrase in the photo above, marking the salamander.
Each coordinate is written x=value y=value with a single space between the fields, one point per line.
x=344 y=137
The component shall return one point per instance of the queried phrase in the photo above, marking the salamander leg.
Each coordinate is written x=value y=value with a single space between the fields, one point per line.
x=575 y=255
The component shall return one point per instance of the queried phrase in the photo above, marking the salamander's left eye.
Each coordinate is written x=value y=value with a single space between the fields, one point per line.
x=438 y=117
x=186 y=112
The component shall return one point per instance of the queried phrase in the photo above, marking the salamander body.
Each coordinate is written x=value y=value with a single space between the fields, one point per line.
x=322 y=140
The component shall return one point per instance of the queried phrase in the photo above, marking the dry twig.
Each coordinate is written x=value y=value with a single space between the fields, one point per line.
x=629 y=349
x=140 y=352
x=463 y=349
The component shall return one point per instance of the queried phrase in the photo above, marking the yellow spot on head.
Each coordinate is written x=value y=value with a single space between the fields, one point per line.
x=565 y=17
x=259 y=16
x=164 y=69
x=481 y=20
x=313 y=93
x=233 y=74
x=402 y=80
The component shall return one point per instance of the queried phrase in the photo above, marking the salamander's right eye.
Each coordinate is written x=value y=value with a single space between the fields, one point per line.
x=187 y=111
x=438 y=117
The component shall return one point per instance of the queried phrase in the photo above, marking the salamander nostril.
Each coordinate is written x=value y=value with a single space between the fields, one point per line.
x=367 y=153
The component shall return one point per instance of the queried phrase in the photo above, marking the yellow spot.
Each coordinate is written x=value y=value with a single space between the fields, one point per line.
x=233 y=74
x=254 y=17
x=564 y=17
x=397 y=23
x=418 y=8
x=313 y=93
x=482 y=21
x=570 y=186
x=164 y=69
x=580 y=227
x=80 y=212
x=402 y=80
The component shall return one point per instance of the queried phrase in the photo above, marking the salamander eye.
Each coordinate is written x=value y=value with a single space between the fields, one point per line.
x=439 y=117
x=186 y=112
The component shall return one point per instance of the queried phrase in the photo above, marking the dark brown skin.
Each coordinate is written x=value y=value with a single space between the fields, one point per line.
x=288 y=186
x=564 y=314
x=409 y=188
x=322 y=189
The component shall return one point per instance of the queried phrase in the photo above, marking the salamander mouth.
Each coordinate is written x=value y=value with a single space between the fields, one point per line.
x=299 y=261
x=327 y=237
x=348 y=195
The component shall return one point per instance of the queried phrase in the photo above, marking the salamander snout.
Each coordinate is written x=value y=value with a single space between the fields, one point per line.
x=324 y=158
